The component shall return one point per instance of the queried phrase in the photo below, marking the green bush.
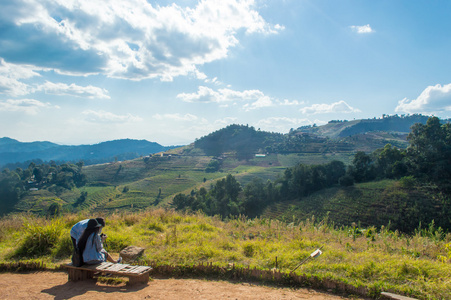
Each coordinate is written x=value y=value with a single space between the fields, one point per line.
x=407 y=182
x=64 y=247
x=39 y=240
x=116 y=242
x=249 y=249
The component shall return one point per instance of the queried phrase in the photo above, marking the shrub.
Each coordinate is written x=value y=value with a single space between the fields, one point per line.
x=116 y=242
x=346 y=180
x=39 y=240
x=249 y=249
x=64 y=247
x=407 y=182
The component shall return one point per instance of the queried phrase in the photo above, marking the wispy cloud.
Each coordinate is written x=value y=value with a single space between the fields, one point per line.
x=11 y=76
x=63 y=89
x=433 y=100
x=362 y=29
x=263 y=101
x=13 y=83
x=225 y=121
x=131 y=39
x=208 y=95
x=287 y=102
x=108 y=117
x=176 y=117
x=28 y=106
x=284 y=124
x=336 y=107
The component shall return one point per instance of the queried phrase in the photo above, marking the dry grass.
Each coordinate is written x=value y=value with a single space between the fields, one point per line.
x=417 y=265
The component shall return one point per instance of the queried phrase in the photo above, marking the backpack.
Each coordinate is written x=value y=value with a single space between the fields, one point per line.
x=77 y=258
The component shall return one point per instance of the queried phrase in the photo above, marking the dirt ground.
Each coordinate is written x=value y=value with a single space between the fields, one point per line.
x=54 y=285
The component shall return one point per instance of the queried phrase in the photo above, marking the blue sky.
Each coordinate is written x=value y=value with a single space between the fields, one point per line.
x=86 y=71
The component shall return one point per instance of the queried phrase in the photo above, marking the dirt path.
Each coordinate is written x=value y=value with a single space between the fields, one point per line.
x=54 y=285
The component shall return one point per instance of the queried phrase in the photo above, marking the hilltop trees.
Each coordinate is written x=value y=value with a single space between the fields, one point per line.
x=302 y=180
x=222 y=199
x=14 y=184
x=428 y=159
x=430 y=150
x=227 y=197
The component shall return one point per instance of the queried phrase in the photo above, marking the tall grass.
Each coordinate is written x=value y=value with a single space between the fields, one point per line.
x=416 y=265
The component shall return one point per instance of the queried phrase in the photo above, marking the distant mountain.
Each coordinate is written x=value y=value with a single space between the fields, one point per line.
x=14 y=146
x=335 y=137
x=340 y=129
x=13 y=151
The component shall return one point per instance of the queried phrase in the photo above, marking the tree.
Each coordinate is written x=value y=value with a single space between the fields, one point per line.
x=363 y=169
x=255 y=198
x=390 y=162
x=429 y=152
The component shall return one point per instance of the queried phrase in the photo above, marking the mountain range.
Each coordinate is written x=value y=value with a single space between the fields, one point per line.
x=342 y=132
x=15 y=152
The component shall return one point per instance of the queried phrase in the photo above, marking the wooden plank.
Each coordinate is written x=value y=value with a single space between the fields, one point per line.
x=103 y=265
x=141 y=272
x=397 y=297
x=88 y=267
x=132 y=269
x=86 y=271
x=139 y=269
x=116 y=267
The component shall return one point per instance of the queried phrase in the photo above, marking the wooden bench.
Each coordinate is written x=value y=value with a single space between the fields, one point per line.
x=136 y=274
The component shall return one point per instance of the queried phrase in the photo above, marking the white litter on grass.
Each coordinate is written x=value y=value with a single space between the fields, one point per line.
x=316 y=253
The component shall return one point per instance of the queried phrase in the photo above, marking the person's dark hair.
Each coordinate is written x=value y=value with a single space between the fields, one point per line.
x=101 y=221
x=93 y=227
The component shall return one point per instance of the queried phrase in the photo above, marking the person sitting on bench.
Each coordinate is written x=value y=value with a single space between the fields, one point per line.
x=91 y=247
x=77 y=230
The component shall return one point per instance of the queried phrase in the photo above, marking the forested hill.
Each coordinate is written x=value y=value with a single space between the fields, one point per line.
x=335 y=137
x=14 y=146
x=345 y=128
x=13 y=151
x=244 y=140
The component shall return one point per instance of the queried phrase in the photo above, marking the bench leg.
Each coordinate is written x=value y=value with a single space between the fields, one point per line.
x=76 y=275
x=141 y=279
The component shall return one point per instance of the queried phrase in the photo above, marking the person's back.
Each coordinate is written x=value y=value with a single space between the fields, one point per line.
x=91 y=247
x=77 y=230
x=92 y=253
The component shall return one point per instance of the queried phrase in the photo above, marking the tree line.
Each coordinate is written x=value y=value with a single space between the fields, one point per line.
x=427 y=160
x=16 y=183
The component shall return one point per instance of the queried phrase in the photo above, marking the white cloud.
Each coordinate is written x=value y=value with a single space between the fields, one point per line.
x=108 y=117
x=11 y=76
x=12 y=83
x=362 y=29
x=263 y=101
x=225 y=121
x=281 y=124
x=28 y=106
x=176 y=117
x=287 y=102
x=336 y=107
x=433 y=100
x=131 y=39
x=223 y=96
x=62 y=89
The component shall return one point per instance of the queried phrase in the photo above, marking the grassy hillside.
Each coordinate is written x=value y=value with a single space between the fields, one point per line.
x=365 y=262
x=388 y=203
x=343 y=128
x=154 y=181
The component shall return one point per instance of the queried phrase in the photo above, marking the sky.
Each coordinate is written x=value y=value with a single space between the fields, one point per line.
x=78 y=72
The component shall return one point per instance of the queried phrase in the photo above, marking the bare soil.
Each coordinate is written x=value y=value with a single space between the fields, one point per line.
x=54 y=285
